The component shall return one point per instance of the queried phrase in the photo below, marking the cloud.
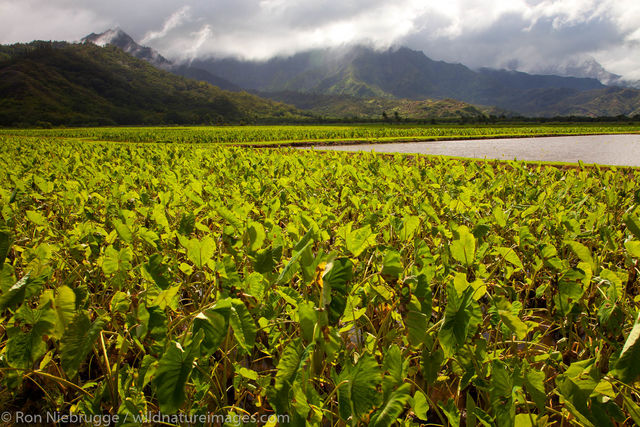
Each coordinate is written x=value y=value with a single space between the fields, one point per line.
x=493 y=33
x=177 y=18
x=26 y=20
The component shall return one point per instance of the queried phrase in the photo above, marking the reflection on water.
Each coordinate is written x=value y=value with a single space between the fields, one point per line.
x=619 y=150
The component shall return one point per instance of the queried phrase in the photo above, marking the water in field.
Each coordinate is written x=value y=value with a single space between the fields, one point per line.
x=619 y=150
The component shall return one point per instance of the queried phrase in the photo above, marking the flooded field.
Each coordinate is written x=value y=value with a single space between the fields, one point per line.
x=618 y=150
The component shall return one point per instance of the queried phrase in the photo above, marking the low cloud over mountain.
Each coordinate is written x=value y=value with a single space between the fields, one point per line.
x=526 y=35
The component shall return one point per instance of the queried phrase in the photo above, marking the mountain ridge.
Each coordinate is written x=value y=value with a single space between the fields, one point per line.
x=587 y=66
x=400 y=73
x=83 y=84
x=347 y=106
x=67 y=83
x=369 y=102
x=117 y=37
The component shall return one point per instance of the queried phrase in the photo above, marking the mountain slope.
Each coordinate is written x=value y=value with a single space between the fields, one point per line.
x=122 y=40
x=119 y=38
x=407 y=74
x=65 y=83
x=611 y=102
x=347 y=106
x=587 y=66
x=204 y=76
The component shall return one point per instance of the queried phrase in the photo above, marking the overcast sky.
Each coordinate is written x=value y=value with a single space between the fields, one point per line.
x=522 y=34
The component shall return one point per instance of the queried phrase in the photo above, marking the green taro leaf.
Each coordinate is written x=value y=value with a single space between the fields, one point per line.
x=457 y=318
x=308 y=318
x=392 y=408
x=37 y=218
x=288 y=269
x=65 y=305
x=393 y=364
x=570 y=290
x=633 y=408
x=7 y=279
x=510 y=256
x=244 y=327
x=187 y=224
x=120 y=302
x=25 y=348
x=526 y=420
x=265 y=262
x=581 y=252
x=627 y=368
x=214 y=322
x=416 y=322
x=117 y=261
x=534 y=383
x=335 y=278
x=410 y=225
x=157 y=323
x=460 y=283
x=392 y=264
x=357 y=241
x=229 y=216
x=632 y=246
x=257 y=235
x=463 y=250
x=431 y=363
x=291 y=363
x=481 y=230
x=633 y=224
x=501 y=394
x=172 y=374
x=616 y=287
x=199 y=251
x=470 y=407
x=452 y=413
x=513 y=322
x=123 y=231
x=158 y=271
x=309 y=263
x=498 y=214
x=304 y=241
x=574 y=388
x=420 y=405
x=358 y=392
x=5 y=245
x=16 y=293
x=484 y=418
x=158 y=215
x=77 y=342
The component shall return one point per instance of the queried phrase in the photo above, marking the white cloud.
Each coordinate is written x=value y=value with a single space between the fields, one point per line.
x=177 y=18
x=490 y=33
x=27 y=20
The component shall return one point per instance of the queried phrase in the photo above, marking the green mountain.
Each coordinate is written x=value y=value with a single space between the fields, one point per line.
x=407 y=74
x=329 y=106
x=347 y=106
x=82 y=84
x=119 y=38
x=611 y=102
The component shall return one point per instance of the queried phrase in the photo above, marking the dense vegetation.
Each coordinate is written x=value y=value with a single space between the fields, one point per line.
x=44 y=83
x=345 y=106
x=325 y=134
x=362 y=288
